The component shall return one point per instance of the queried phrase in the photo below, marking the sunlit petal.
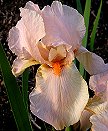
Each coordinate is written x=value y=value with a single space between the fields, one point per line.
x=58 y=53
x=92 y=63
x=99 y=83
x=52 y=54
x=63 y=24
x=100 y=121
x=26 y=34
x=59 y=100
x=96 y=104
x=31 y=6
x=19 y=65
x=69 y=58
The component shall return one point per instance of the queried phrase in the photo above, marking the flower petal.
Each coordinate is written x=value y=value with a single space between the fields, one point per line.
x=63 y=25
x=84 y=120
x=28 y=31
x=59 y=100
x=19 y=65
x=100 y=121
x=99 y=83
x=57 y=54
x=96 y=104
x=31 y=6
x=92 y=63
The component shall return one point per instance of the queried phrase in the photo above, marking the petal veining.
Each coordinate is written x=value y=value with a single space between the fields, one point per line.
x=57 y=54
x=26 y=34
x=99 y=82
x=92 y=63
x=59 y=100
x=19 y=65
x=31 y=6
x=100 y=121
x=63 y=24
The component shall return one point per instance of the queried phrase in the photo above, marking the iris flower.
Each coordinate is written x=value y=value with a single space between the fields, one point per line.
x=97 y=107
x=100 y=119
x=99 y=83
x=52 y=37
x=94 y=115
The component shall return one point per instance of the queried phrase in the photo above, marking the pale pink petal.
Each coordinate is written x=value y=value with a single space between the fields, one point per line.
x=100 y=121
x=99 y=83
x=28 y=31
x=59 y=100
x=84 y=120
x=96 y=104
x=13 y=41
x=63 y=24
x=34 y=24
x=19 y=65
x=92 y=63
x=31 y=6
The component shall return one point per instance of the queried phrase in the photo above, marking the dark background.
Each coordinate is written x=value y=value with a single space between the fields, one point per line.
x=9 y=15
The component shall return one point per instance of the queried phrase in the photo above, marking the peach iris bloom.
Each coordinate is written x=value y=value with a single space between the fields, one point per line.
x=51 y=37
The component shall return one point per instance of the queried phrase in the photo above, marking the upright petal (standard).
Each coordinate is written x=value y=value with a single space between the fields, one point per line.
x=63 y=25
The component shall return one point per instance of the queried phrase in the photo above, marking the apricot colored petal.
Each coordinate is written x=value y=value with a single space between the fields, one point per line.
x=58 y=53
x=63 y=25
x=59 y=100
x=19 y=65
x=26 y=34
x=69 y=58
x=44 y=52
x=92 y=63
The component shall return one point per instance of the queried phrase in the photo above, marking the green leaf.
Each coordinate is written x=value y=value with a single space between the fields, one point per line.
x=25 y=87
x=69 y=128
x=79 y=7
x=86 y=19
x=75 y=127
x=16 y=101
x=93 y=34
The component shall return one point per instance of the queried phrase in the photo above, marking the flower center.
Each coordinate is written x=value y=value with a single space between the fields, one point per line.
x=57 y=68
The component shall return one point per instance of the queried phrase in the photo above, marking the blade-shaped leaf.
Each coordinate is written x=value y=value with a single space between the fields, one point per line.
x=69 y=129
x=86 y=19
x=19 y=110
x=79 y=7
x=25 y=87
x=75 y=127
x=93 y=34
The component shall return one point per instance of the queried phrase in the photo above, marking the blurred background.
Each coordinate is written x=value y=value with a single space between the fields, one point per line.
x=9 y=15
